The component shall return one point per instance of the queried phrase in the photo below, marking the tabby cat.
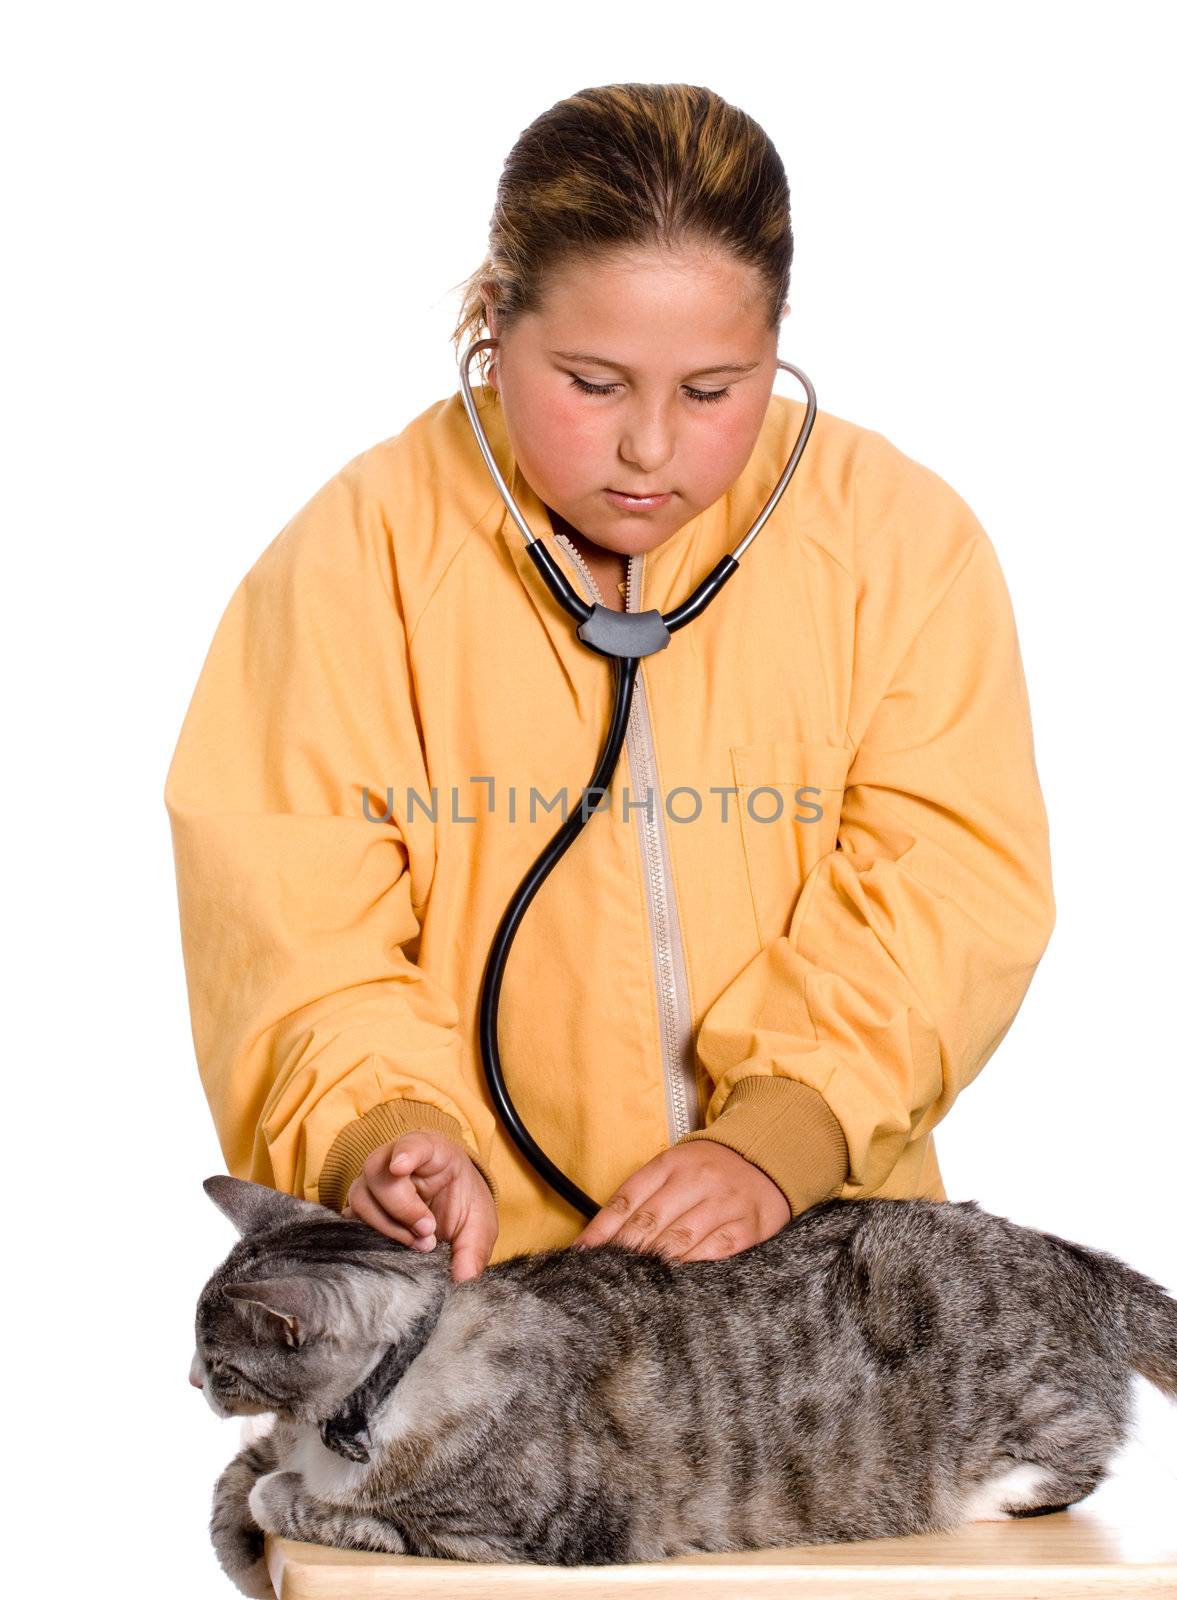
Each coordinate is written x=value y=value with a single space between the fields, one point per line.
x=877 y=1368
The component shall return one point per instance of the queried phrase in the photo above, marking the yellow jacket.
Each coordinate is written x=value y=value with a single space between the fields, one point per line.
x=802 y=925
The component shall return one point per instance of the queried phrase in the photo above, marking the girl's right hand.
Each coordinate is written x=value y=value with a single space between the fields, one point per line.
x=423 y=1187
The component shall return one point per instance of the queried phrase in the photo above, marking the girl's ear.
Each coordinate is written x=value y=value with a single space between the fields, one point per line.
x=291 y=1300
x=252 y=1207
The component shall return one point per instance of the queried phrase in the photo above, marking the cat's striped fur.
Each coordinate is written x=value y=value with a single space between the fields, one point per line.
x=878 y=1368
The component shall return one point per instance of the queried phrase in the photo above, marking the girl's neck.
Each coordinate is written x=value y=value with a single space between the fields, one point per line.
x=608 y=567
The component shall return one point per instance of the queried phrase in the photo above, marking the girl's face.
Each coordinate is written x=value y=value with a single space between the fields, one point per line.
x=679 y=348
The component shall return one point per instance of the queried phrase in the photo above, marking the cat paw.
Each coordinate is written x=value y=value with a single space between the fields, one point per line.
x=242 y=1555
x=272 y=1502
x=255 y=1582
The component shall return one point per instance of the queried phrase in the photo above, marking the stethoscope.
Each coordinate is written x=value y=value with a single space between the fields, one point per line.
x=625 y=636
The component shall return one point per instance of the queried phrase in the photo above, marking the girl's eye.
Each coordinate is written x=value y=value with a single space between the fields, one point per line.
x=704 y=396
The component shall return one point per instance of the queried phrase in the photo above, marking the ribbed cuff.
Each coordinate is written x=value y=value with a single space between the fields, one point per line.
x=787 y=1130
x=356 y=1141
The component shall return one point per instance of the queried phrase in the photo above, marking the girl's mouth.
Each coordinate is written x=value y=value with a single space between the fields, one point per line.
x=631 y=502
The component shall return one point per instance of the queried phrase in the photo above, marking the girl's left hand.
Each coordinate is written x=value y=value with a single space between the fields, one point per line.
x=694 y=1202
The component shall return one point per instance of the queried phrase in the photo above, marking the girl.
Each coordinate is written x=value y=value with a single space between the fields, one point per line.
x=764 y=971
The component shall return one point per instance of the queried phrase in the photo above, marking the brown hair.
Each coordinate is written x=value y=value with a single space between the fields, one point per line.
x=623 y=166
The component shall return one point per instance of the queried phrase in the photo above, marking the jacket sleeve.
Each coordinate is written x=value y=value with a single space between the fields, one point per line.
x=913 y=942
x=317 y=1037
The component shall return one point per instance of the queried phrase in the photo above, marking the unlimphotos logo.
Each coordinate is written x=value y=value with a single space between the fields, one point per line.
x=681 y=804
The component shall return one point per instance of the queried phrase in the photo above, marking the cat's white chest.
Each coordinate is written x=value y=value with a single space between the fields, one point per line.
x=327 y=1475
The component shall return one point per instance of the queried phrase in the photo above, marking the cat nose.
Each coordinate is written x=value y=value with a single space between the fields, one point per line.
x=196 y=1373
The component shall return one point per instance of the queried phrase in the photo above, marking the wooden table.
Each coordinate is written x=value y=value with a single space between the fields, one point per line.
x=1121 y=1540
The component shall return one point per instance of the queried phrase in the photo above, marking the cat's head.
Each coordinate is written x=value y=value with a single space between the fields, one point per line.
x=304 y=1305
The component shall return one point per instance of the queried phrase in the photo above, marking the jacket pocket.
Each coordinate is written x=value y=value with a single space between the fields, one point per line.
x=789 y=801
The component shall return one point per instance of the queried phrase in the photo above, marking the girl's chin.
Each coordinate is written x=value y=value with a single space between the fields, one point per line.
x=628 y=535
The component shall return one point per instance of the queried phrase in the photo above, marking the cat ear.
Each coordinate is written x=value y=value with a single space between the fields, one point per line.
x=253 y=1207
x=292 y=1300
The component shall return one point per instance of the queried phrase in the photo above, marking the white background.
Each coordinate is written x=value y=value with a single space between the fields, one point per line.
x=234 y=236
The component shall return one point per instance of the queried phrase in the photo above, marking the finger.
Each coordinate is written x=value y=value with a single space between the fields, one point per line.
x=727 y=1239
x=619 y=1211
x=370 y=1210
x=390 y=1181
x=421 y=1153
x=471 y=1246
x=411 y=1232
x=646 y=1222
x=680 y=1234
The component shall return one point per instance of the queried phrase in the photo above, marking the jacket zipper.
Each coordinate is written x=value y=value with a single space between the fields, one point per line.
x=670 y=968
